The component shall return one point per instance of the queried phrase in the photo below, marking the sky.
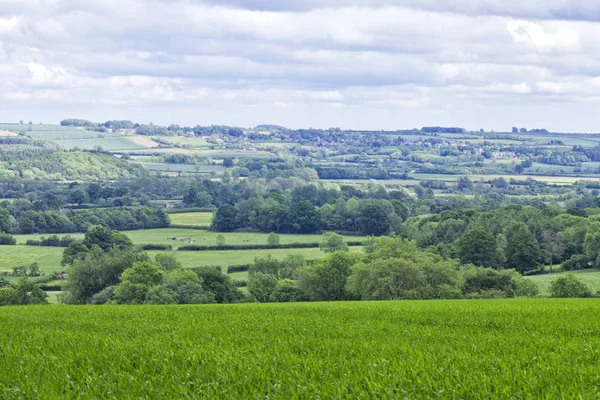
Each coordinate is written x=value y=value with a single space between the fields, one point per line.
x=361 y=64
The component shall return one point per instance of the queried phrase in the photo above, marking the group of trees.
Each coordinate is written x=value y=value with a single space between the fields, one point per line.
x=105 y=268
x=120 y=218
x=392 y=268
x=367 y=216
x=518 y=237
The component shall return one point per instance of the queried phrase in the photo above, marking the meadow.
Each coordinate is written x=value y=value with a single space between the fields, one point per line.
x=538 y=348
x=48 y=258
x=107 y=143
x=192 y=219
x=590 y=277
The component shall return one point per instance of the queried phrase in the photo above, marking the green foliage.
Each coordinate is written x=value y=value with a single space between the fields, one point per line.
x=569 y=285
x=97 y=271
x=6 y=239
x=522 y=250
x=262 y=286
x=326 y=279
x=167 y=262
x=273 y=239
x=477 y=247
x=333 y=242
x=23 y=292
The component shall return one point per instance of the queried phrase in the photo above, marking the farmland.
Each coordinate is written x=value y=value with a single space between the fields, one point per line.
x=450 y=349
x=590 y=277
x=48 y=258
x=192 y=219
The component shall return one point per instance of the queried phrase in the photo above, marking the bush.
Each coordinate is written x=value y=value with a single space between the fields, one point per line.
x=6 y=239
x=238 y=268
x=569 y=285
x=167 y=247
x=577 y=261
x=31 y=242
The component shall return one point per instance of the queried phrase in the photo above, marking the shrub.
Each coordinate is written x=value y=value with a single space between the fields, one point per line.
x=569 y=285
x=238 y=268
x=6 y=239
x=31 y=242
x=167 y=247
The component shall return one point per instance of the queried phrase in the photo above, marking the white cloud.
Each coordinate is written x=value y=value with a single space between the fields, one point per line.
x=364 y=63
x=534 y=35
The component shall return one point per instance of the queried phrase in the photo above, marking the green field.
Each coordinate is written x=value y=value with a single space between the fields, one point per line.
x=180 y=140
x=590 y=277
x=199 y=237
x=225 y=258
x=426 y=349
x=192 y=219
x=48 y=258
x=107 y=143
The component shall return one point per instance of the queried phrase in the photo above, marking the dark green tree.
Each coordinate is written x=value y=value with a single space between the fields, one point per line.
x=522 y=249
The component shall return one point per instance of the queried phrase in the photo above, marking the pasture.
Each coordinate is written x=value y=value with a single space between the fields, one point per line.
x=538 y=348
x=48 y=258
x=107 y=143
x=590 y=277
x=199 y=237
x=192 y=219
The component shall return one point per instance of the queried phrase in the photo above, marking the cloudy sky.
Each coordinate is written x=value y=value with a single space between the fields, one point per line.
x=370 y=64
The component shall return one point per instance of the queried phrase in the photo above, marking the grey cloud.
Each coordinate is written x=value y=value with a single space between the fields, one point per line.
x=394 y=63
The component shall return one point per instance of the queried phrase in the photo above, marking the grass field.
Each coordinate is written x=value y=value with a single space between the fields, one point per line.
x=180 y=140
x=48 y=258
x=200 y=237
x=429 y=349
x=192 y=219
x=108 y=143
x=590 y=277
x=225 y=258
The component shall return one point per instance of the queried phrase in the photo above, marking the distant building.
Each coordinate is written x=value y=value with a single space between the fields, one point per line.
x=174 y=204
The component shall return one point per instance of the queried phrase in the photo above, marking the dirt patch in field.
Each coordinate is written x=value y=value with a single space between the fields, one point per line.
x=142 y=141
x=7 y=133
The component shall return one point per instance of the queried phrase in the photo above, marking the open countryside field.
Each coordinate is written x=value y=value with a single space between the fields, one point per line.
x=427 y=349
x=181 y=140
x=203 y=237
x=590 y=277
x=200 y=237
x=192 y=219
x=226 y=258
x=48 y=258
x=107 y=143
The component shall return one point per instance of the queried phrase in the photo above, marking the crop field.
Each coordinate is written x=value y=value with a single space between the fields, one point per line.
x=429 y=349
x=107 y=143
x=590 y=277
x=192 y=219
x=226 y=258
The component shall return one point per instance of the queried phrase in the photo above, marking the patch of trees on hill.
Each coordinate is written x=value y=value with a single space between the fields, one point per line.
x=33 y=163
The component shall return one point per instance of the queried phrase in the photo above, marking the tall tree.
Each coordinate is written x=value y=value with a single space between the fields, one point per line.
x=522 y=250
